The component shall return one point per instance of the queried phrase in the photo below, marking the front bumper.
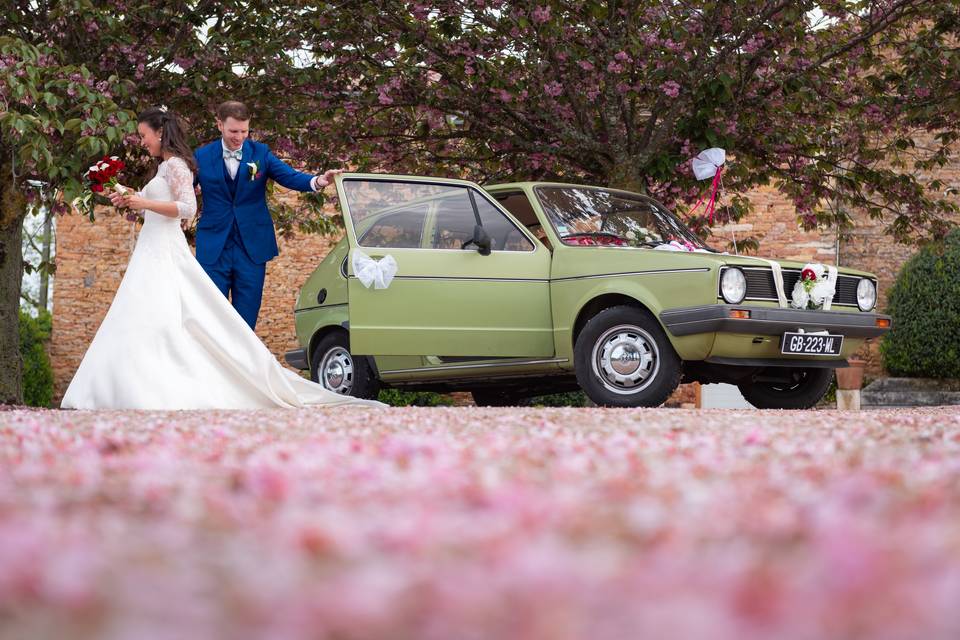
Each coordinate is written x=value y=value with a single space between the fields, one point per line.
x=770 y=321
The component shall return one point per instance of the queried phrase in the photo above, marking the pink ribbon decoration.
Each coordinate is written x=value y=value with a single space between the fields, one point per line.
x=709 y=163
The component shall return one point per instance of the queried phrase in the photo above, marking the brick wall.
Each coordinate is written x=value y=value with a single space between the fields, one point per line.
x=91 y=259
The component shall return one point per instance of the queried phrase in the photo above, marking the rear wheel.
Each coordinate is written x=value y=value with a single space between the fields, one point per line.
x=781 y=388
x=333 y=366
x=624 y=359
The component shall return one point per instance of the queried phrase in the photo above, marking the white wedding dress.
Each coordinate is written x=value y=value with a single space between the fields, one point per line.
x=171 y=340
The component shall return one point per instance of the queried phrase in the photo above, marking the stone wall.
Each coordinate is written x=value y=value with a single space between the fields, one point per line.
x=91 y=259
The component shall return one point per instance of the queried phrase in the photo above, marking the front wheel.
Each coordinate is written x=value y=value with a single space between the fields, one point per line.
x=624 y=359
x=333 y=366
x=787 y=388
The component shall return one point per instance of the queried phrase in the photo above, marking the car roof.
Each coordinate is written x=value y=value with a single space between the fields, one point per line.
x=505 y=186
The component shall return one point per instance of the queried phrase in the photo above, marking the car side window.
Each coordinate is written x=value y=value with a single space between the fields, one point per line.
x=395 y=214
x=396 y=230
x=455 y=221
x=518 y=204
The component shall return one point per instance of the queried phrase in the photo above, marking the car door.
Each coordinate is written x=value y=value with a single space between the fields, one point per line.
x=446 y=299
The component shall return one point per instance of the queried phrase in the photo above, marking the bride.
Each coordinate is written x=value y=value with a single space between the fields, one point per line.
x=170 y=339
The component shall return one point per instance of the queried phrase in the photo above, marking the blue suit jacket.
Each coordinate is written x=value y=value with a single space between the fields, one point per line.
x=248 y=206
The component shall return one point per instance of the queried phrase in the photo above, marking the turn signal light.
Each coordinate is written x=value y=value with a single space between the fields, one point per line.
x=741 y=314
x=883 y=323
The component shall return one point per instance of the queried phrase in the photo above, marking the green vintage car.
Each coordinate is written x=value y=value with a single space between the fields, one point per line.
x=523 y=289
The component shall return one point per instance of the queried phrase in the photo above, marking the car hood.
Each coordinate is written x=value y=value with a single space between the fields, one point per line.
x=757 y=261
x=570 y=261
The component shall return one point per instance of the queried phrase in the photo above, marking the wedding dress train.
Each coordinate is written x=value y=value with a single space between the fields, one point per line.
x=171 y=340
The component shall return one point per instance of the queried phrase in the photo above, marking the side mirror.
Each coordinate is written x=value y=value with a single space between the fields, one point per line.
x=481 y=239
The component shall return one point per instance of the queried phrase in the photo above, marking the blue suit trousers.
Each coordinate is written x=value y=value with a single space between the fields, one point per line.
x=239 y=277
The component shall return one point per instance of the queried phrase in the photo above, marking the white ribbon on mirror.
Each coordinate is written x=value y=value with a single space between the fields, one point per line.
x=707 y=162
x=378 y=273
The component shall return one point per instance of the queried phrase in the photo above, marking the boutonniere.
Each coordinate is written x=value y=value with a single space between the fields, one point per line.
x=254 y=170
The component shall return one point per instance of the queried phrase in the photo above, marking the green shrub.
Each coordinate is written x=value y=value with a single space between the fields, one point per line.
x=568 y=399
x=398 y=398
x=925 y=305
x=37 y=379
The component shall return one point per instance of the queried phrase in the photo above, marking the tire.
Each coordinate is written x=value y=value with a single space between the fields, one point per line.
x=496 y=398
x=342 y=372
x=647 y=371
x=807 y=388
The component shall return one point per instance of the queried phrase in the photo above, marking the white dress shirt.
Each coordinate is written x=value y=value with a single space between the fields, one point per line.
x=233 y=165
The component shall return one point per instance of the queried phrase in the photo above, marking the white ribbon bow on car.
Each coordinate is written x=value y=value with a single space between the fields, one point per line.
x=378 y=273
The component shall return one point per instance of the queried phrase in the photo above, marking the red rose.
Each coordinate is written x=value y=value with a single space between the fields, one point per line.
x=808 y=274
x=96 y=187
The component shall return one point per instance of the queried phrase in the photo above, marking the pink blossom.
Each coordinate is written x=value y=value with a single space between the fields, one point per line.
x=553 y=89
x=420 y=11
x=465 y=522
x=540 y=14
x=753 y=45
x=670 y=88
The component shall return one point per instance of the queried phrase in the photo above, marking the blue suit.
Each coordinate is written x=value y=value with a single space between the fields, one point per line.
x=235 y=235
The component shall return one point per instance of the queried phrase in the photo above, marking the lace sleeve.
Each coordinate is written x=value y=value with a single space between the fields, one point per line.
x=180 y=180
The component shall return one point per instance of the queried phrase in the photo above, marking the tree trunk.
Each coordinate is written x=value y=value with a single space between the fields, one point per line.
x=12 y=213
x=626 y=175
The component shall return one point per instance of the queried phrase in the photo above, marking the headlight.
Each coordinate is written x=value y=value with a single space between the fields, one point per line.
x=866 y=294
x=733 y=285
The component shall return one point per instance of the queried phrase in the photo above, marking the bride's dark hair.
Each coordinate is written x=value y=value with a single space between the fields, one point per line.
x=172 y=137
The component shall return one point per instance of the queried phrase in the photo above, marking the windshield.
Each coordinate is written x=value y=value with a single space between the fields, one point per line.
x=584 y=216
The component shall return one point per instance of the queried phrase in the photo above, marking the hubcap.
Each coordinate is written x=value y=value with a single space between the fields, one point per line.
x=625 y=359
x=336 y=371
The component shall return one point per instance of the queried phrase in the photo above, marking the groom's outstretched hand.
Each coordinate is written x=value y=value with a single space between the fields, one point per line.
x=327 y=178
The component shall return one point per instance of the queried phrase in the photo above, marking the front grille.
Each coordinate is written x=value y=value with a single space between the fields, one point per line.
x=760 y=285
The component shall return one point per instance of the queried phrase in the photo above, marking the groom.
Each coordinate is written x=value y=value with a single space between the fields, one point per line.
x=235 y=235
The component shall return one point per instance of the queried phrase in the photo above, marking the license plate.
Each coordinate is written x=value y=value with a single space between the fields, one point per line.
x=811 y=344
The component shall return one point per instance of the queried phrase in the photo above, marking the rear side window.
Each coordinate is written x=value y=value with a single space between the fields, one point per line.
x=396 y=230
x=394 y=214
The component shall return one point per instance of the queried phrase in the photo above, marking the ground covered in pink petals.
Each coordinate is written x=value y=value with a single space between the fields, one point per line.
x=463 y=523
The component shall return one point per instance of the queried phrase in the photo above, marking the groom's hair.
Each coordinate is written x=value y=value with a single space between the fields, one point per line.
x=233 y=109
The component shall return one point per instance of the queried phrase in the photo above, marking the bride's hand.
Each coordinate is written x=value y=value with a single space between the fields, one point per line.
x=116 y=198
x=132 y=200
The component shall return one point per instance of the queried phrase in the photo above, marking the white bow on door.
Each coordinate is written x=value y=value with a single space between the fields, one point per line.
x=378 y=273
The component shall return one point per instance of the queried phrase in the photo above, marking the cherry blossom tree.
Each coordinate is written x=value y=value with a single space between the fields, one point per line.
x=841 y=104
x=75 y=72
x=54 y=118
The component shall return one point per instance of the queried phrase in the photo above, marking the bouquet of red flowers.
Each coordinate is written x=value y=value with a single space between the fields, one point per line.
x=104 y=173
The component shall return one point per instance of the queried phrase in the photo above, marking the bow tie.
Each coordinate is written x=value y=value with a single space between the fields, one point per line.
x=227 y=154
